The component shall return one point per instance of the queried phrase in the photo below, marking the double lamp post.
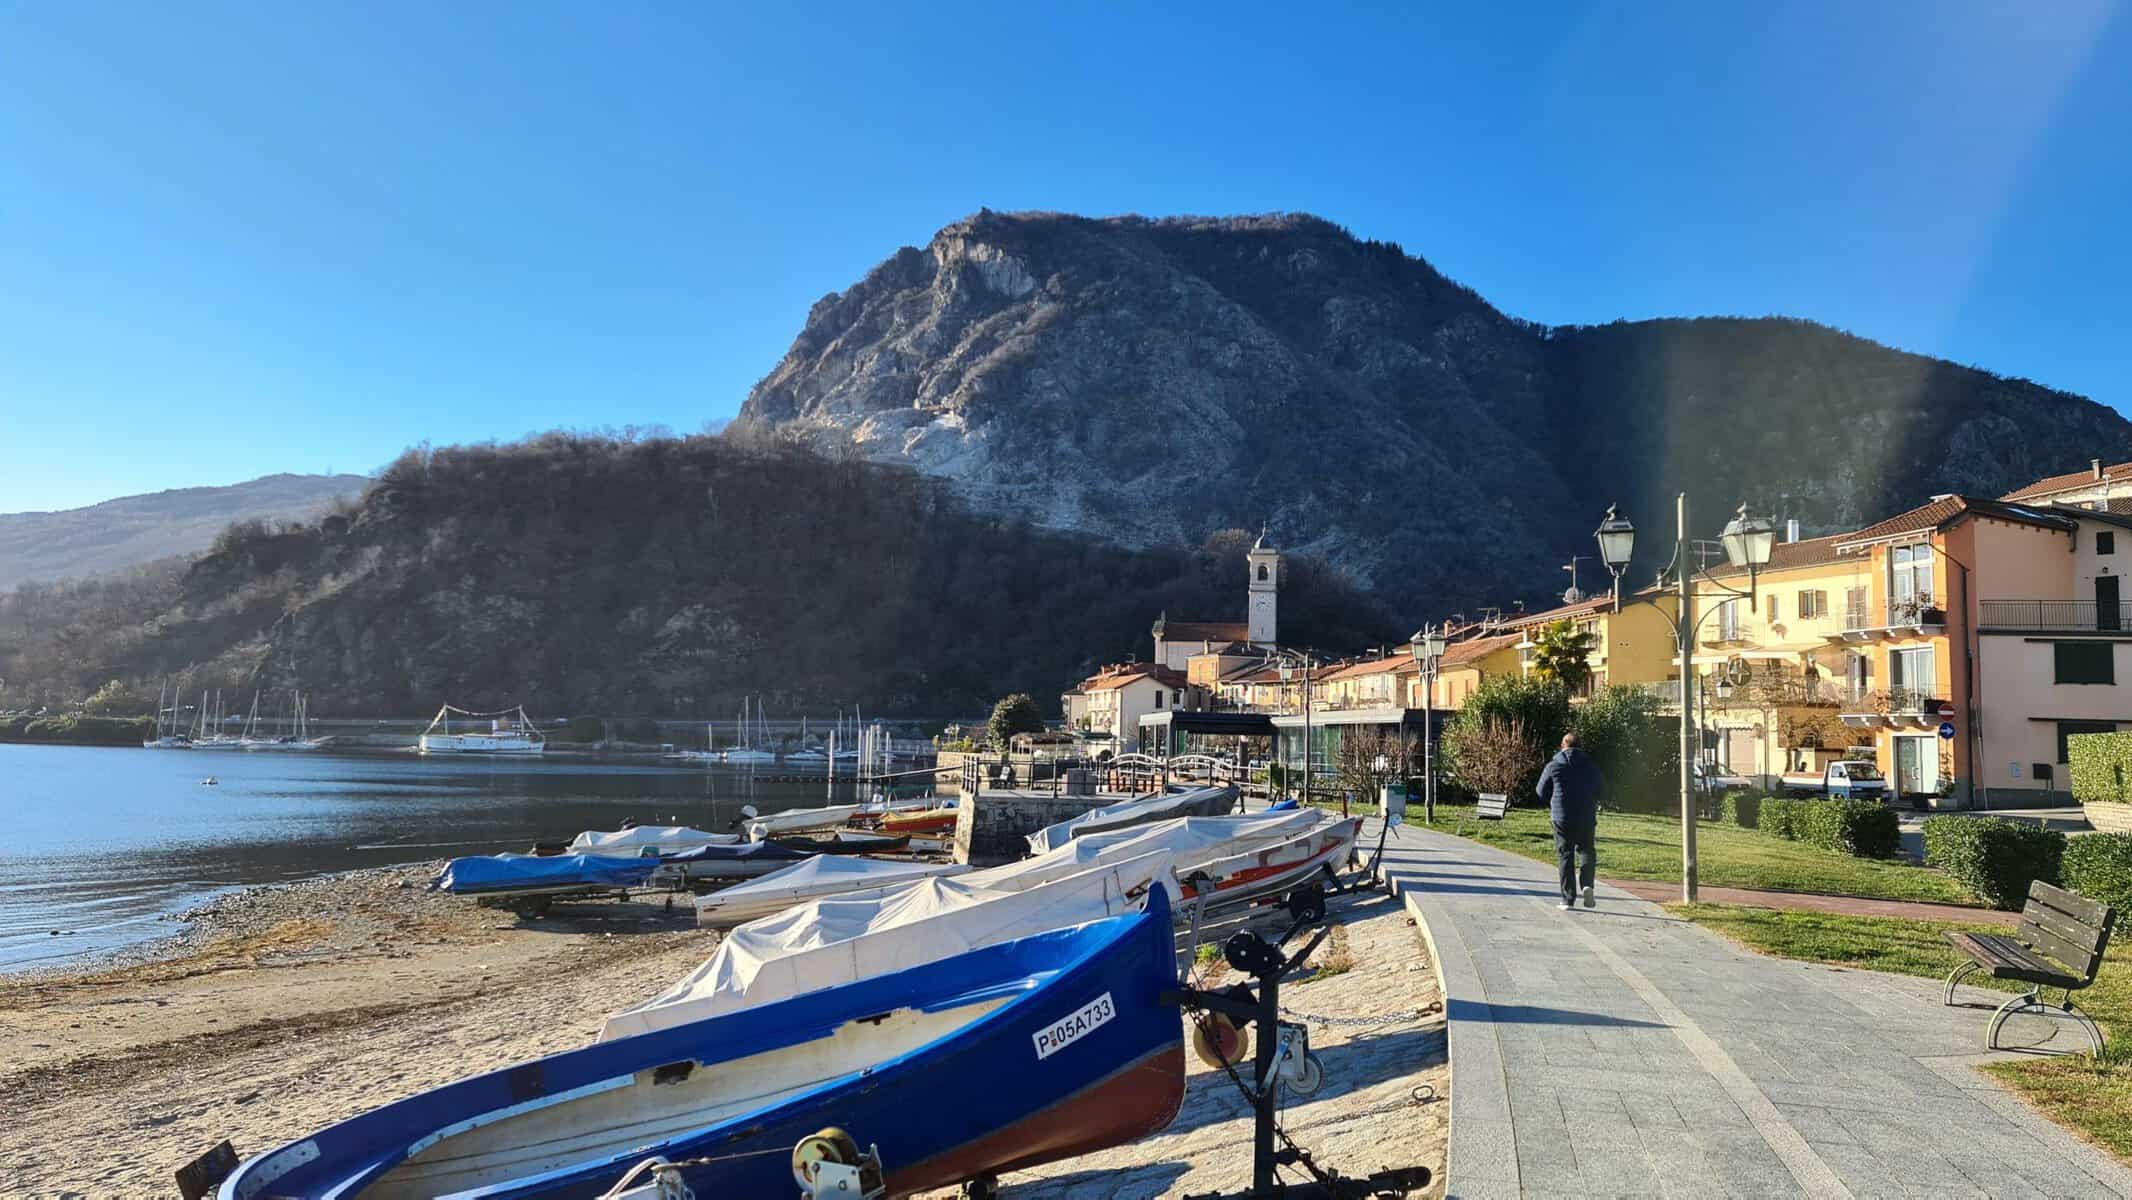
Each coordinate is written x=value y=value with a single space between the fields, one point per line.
x=1748 y=540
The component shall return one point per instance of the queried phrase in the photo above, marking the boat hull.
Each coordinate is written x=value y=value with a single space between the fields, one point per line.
x=1071 y=1048
x=477 y=743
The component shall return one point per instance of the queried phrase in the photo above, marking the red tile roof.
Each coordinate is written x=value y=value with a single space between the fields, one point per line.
x=1203 y=631
x=1942 y=511
x=1785 y=556
x=2070 y=481
x=1113 y=678
x=1474 y=649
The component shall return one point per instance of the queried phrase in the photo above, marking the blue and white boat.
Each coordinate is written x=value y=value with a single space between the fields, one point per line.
x=1056 y=1045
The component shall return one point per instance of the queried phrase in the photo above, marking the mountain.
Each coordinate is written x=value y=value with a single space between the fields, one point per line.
x=1149 y=381
x=662 y=577
x=137 y=529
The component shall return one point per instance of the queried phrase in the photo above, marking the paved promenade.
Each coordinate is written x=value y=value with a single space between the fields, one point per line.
x=1620 y=1051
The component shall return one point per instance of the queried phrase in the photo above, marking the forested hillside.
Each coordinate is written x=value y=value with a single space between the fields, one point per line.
x=661 y=576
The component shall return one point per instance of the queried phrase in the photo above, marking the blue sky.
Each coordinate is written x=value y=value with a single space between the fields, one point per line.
x=237 y=239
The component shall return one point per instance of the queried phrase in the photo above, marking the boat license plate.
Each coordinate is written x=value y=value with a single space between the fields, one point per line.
x=1061 y=1034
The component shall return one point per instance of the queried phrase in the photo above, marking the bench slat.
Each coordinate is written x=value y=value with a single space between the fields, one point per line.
x=2076 y=957
x=2091 y=913
x=2008 y=959
x=2071 y=929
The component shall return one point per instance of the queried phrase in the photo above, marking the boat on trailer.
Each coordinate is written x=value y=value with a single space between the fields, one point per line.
x=796 y=820
x=845 y=841
x=824 y=875
x=531 y=882
x=1144 y=810
x=1064 y=1034
x=1312 y=856
x=638 y=840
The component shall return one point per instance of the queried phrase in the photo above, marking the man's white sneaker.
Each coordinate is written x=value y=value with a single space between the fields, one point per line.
x=1589 y=902
x=1565 y=906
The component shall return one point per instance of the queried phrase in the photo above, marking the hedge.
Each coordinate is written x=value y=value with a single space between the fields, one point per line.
x=2099 y=866
x=1862 y=828
x=1743 y=809
x=2101 y=767
x=1993 y=857
x=1780 y=815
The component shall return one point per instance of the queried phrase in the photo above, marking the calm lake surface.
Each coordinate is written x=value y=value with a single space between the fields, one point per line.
x=101 y=844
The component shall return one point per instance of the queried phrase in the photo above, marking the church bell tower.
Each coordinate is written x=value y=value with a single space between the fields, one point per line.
x=1265 y=567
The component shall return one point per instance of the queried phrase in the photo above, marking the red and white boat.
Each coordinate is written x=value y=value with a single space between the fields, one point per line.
x=1273 y=871
x=931 y=821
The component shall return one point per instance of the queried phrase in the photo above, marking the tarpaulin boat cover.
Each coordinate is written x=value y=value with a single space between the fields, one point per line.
x=841 y=939
x=525 y=872
x=822 y=875
x=751 y=852
x=665 y=839
x=1198 y=802
x=799 y=820
x=1191 y=841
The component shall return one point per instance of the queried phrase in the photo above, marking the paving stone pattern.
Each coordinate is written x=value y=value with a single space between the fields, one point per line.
x=1621 y=1051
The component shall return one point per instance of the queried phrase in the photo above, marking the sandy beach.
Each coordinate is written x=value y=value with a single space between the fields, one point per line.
x=283 y=1009
x=286 y=1008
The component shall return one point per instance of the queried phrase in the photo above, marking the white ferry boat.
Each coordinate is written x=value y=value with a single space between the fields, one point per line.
x=507 y=732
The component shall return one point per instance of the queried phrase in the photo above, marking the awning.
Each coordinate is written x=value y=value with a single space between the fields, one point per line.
x=1232 y=724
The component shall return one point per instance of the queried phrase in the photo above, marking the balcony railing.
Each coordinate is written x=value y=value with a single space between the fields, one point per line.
x=2071 y=616
x=1863 y=623
x=1892 y=706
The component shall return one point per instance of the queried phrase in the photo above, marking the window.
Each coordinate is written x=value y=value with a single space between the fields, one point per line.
x=2041 y=772
x=1812 y=604
x=2105 y=542
x=2068 y=729
x=2084 y=662
x=1776 y=613
x=1910 y=576
x=1728 y=621
x=1158 y=697
x=1854 y=608
x=1912 y=677
x=1262 y=572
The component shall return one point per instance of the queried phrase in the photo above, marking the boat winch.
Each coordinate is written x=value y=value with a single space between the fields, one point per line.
x=664 y=1182
x=828 y=1166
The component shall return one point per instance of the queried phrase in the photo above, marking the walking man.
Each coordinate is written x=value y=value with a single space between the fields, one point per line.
x=1572 y=785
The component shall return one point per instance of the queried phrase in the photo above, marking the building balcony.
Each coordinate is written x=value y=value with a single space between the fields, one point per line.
x=1893 y=708
x=1918 y=617
x=2055 y=616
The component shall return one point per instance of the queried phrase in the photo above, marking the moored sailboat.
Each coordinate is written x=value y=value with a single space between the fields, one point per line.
x=510 y=731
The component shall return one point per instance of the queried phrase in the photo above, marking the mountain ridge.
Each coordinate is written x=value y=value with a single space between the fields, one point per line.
x=1146 y=379
x=126 y=531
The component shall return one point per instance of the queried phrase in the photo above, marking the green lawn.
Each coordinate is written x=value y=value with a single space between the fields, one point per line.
x=2094 y=1098
x=1637 y=846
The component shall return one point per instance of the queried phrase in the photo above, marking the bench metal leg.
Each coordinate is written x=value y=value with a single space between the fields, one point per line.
x=2086 y=1022
x=1960 y=973
x=2025 y=1000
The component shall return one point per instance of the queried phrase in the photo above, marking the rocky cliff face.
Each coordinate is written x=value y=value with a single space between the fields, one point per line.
x=1150 y=381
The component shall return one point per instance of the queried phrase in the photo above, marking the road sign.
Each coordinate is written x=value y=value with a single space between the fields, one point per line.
x=1946 y=710
x=1946 y=731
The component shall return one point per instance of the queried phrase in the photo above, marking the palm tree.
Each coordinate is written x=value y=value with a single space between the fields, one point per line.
x=1560 y=654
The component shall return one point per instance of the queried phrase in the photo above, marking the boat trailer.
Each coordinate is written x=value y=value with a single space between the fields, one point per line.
x=1281 y=1053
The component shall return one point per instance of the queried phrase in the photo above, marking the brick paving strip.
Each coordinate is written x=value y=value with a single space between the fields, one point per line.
x=1624 y=1051
x=1848 y=906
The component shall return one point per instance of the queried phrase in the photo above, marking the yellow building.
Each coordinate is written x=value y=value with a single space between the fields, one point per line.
x=1633 y=646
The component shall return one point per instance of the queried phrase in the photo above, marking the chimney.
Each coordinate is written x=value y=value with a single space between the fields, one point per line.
x=1791 y=530
x=2095 y=467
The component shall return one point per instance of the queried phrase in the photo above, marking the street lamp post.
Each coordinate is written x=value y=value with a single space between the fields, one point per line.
x=1288 y=672
x=1748 y=540
x=1427 y=646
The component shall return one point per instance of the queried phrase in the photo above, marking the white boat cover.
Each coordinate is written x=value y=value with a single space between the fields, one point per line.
x=822 y=875
x=662 y=839
x=837 y=940
x=1192 y=841
x=797 y=820
x=1130 y=812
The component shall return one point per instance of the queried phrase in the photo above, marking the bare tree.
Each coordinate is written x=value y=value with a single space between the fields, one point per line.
x=1370 y=758
x=1498 y=755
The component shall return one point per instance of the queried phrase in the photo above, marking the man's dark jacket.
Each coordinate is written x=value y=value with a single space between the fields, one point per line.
x=1571 y=785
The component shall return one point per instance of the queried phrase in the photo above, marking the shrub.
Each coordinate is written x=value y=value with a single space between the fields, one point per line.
x=1865 y=828
x=1996 y=858
x=2101 y=767
x=1013 y=714
x=1503 y=734
x=1744 y=809
x=1636 y=747
x=2099 y=866
x=1941 y=833
x=1780 y=815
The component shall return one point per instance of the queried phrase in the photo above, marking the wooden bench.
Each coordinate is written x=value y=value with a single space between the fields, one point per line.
x=2059 y=944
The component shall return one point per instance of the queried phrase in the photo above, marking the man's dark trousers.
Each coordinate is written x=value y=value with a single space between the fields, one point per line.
x=1571 y=841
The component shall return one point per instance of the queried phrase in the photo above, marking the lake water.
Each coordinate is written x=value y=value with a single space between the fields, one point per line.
x=100 y=844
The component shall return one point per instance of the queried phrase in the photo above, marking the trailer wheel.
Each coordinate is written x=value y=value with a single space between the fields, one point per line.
x=1307 y=903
